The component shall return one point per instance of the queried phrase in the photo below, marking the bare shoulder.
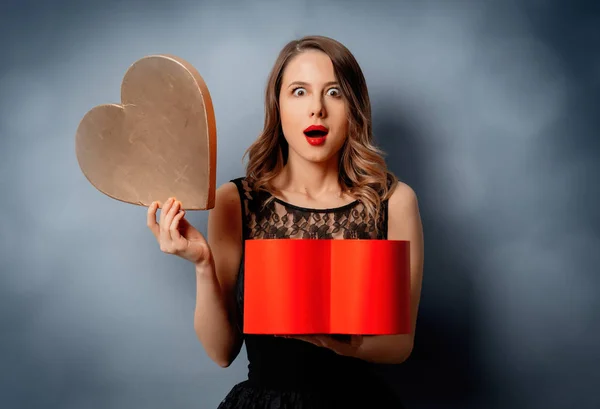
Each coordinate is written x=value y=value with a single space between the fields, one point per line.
x=226 y=195
x=225 y=224
x=226 y=211
x=403 y=198
x=404 y=220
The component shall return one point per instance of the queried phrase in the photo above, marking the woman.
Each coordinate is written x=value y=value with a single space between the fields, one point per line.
x=312 y=173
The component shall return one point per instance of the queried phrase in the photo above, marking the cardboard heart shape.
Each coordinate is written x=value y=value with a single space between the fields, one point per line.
x=160 y=142
x=306 y=286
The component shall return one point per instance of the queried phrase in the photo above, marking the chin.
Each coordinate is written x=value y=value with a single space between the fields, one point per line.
x=318 y=157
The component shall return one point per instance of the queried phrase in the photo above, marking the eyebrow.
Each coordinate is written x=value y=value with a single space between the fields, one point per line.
x=306 y=84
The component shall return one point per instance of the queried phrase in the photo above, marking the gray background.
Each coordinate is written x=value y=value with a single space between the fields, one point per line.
x=489 y=110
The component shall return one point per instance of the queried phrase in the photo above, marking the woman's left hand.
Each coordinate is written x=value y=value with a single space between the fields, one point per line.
x=349 y=348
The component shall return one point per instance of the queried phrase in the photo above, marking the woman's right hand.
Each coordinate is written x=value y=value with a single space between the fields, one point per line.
x=175 y=234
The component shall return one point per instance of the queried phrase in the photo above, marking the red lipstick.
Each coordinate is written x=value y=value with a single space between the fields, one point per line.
x=316 y=134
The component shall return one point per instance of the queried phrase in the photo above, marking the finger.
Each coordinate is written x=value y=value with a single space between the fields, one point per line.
x=151 y=219
x=165 y=210
x=338 y=347
x=325 y=341
x=184 y=226
x=172 y=212
x=165 y=222
x=175 y=234
x=306 y=338
x=356 y=340
x=169 y=220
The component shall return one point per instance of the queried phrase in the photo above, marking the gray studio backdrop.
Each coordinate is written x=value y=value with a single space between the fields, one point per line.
x=484 y=108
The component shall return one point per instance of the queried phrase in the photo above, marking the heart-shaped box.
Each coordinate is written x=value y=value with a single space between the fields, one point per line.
x=160 y=142
x=306 y=286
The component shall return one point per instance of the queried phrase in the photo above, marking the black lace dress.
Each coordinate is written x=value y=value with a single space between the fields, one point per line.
x=294 y=374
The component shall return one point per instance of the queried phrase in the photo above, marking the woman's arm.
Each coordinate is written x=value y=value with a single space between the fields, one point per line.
x=404 y=223
x=214 y=318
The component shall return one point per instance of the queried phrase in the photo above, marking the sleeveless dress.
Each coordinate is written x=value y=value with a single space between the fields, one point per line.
x=294 y=374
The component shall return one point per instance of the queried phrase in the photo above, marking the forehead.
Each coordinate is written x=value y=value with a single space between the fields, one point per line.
x=309 y=66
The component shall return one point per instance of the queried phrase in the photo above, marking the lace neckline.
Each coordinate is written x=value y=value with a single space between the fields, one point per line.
x=315 y=210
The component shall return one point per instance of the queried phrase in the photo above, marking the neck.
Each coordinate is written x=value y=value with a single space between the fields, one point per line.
x=310 y=178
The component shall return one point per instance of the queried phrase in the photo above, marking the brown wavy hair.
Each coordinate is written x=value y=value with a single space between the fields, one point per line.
x=362 y=169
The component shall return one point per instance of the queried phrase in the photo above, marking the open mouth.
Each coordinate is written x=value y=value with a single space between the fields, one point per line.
x=315 y=135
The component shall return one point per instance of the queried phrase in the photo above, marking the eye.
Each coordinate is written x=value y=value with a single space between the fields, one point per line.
x=334 y=92
x=299 y=91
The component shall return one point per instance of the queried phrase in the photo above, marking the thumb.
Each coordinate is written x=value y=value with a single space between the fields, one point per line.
x=356 y=340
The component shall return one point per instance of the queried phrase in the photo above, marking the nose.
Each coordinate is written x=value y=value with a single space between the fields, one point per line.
x=317 y=108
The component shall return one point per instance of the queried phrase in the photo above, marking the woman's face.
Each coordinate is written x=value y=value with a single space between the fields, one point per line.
x=310 y=96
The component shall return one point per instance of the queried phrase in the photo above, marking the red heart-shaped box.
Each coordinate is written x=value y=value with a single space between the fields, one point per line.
x=306 y=286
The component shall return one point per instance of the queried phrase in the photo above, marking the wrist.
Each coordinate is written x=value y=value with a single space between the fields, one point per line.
x=204 y=267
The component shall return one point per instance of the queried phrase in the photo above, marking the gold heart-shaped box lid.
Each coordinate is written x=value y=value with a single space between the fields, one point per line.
x=159 y=143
